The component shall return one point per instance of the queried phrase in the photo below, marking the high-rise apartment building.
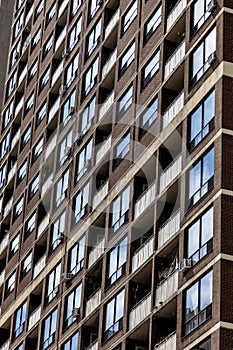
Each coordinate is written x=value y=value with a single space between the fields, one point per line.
x=116 y=187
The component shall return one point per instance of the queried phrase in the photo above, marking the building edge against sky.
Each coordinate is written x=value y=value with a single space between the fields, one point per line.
x=97 y=92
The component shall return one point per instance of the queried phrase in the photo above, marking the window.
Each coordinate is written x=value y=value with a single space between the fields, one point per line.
x=202 y=56
x=49 y=329
x=45 y=78
x=57 y=233
x=76 y=261
x=29 y=103
x=34 y=186
x=81 y=203
x=11 y=84
x=87 y=116
x=20 y=347
x=122 y=149
x=93 y=39
x=61 y=188
x=72 y=303
x=120 y=209
x=153 y=23
x=19 y=320
x=201 y=121
x=206 y=345
x=8 y=114
x=198 y=303
x=22 y=172
x=148 y=117
x=53 y=281
x=26 y=137
x=150 y=69
x=18 y=25
x=51 y=13
x=26 y=265
x=65 y=148
x=129 y=16
x=37 y=149
x=72 y=343
x=117 y=262
x=5 y=145
x=75 y=6
x=41 y=113
x=113 y=319
x=2 y=175
x=47 y=46
x=201 y=177
x=125 y=102
x=74 y=34
x=36 y=39
x=200 y=236
x=19 y=3
x=93 y=7
x=83 y=160
x=30 y=225
x=18 y=208
x=126 y=59
x=33 y=70
x=15 y=54
x=71 y=70
x=70 y=102
x=10 y=284
x=14 y=246
x=39 y=9
x=199 y=14
x=90 y=78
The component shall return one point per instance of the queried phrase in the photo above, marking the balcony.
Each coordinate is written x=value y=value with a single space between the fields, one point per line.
x=50 y=146
x=105 y=107
x=169 y=229
x=19 y=106
x=8 y=207
x=112 y=24
x=93 y=346
x=143 y=254
x=96 y=253
x=174 y=108
x=62 y=8
x=166 y=288
x=174 y=60
x=43 y=225
x=93 y=302
x=169 y=343
x=46 y=185
x=109 y=64
x=103 y=149
x=60 y=39
x=4 y=243
x=22 y=75
x=12 y=172
x=5 y=346
x=175 y=13
x=57 y=73
x=54 y=109
x=171 y=172
x=139 y=312
x=2 y=277
x=100 y=195
x=39 y=266
x=15 y=139
x=144 y=201
x=34 y=318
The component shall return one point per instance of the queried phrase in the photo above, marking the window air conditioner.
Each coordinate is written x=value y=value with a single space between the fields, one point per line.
x=71 y=110
x=28 y=28
x=78 y=137
x=185 y=264
x=76 y=312
x=67 y=152
x=65 y=54
x=60 y=237
x=211 y=5
x=66 y=277
x=62 y=89
x=211 y=58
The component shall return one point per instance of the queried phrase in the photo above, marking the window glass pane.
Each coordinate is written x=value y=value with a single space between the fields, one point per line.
x=193 y=238
x=198 y=11
x=208 y=166
x=194 y=179
x=207 y=222
x=198 y=59
x=196 y=123
x=109 y=319
x=210 y=43
x=113 y=261
x=209 y=108
x=206 y=291
x=119 y=306
x=191 y=302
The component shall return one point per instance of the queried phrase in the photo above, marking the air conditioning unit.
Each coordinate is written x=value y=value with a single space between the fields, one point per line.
x=16 y=55
x=66 y=277
x=60 y=237
x=211 y=58
x=65 y=53
x=56 y=290
x=62 y=89
x=88 y=163
x=78 y=137
x=28 y=28
x=71 y=110
x=76 y=312
x=67 y=151
x=185 y=264
x=211 y=5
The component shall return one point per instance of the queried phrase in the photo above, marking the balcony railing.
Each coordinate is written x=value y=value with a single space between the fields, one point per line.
x=43 y=225
x=12 y=172
x=96 y=253
x=6 y=345
x=15 y=139
x=144 y=201
x=140 y=311
x=93 y=302
x=8 y=207
x=103 y=149
x=175 y=59
x=169 y=228
x=168 y=343
x=109 y=64
x=174 y=108
x=100 y=195
x=34 y=318
x=22 y=75
x=26 y=44
x=166 y=288
x=47 y=185
x=112 y=23
x=4 y=243
x=93 y=346
x=143 y=254
x=19 y=106
x=40 y=265
x=175 y=13
x=105 y=107
x=2 y=277
x=57 y=73
x=62 y=7
x=54 y=109
x=60 y=39
x=170 y=173
x=50 y=146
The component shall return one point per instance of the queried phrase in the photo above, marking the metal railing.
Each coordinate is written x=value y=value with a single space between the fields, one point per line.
x=143 y=253
x=143 y=202
x=140 y=311
x=169 y=228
